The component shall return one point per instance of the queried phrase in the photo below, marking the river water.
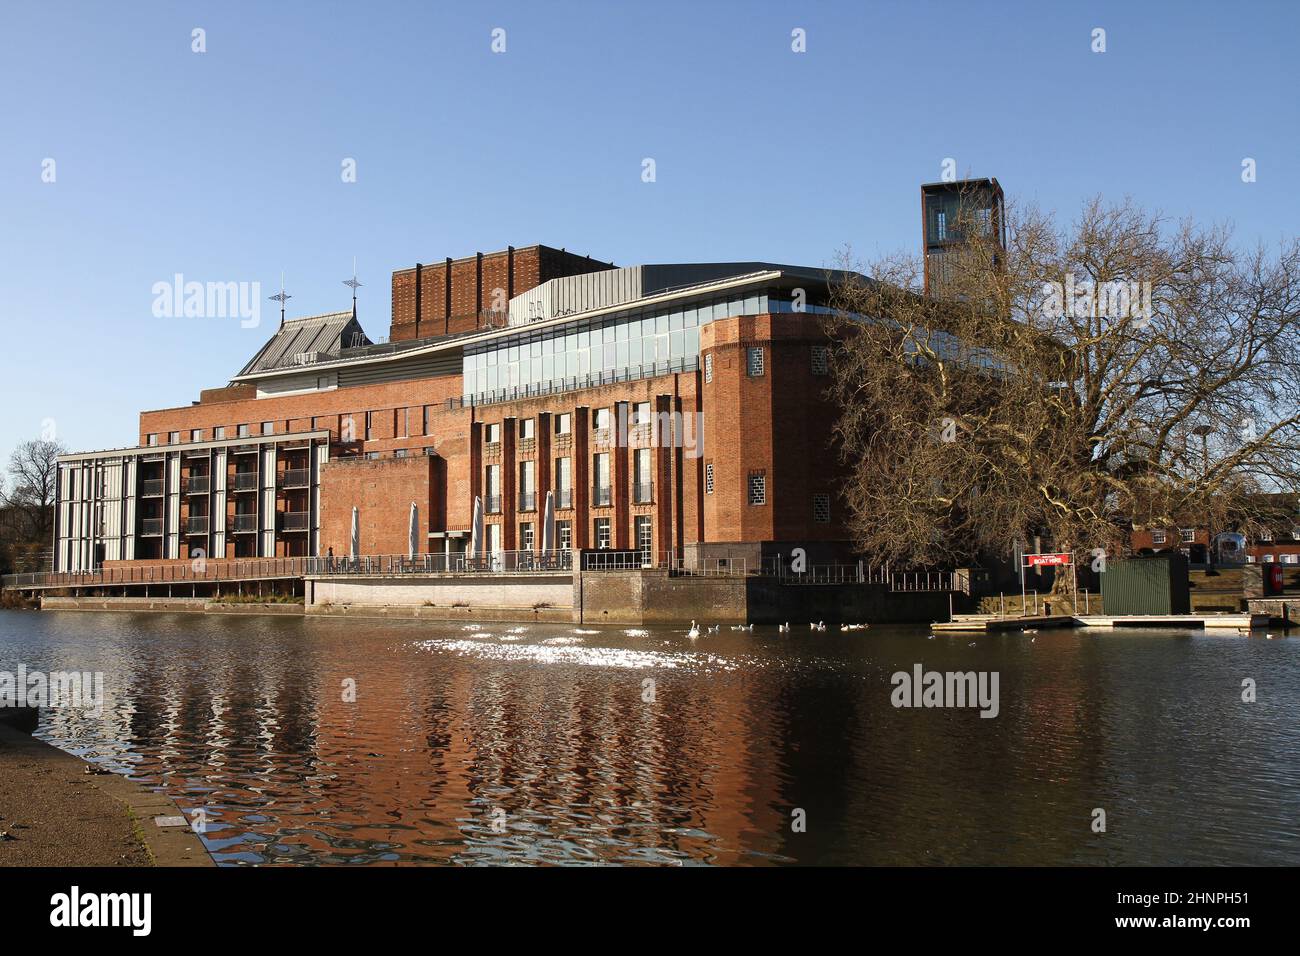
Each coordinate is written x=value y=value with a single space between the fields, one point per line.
x=466 y=744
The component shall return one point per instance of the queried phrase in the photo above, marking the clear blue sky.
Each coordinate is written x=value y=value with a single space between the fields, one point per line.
x=225 y=165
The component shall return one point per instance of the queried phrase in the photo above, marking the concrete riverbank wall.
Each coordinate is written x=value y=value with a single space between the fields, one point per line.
x=605 y=597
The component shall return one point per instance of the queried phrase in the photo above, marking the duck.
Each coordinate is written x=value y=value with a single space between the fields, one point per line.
x=783 y=628
x=694 y=632
x=714 y=629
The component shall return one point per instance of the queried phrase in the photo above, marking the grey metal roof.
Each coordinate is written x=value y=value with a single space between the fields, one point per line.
x=315 y=335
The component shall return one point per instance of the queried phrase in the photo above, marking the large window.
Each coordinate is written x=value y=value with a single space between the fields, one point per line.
x=642 y=484
x=600 y=490
x=645 y=539
x=603 y=539
x=564 y=535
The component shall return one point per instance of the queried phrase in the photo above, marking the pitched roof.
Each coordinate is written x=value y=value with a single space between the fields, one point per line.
x=319 y=334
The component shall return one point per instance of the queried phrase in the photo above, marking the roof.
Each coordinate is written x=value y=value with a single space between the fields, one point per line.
x=316 y=335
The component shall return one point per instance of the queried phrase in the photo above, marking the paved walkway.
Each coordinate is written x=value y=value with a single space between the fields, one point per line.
x=54 y=813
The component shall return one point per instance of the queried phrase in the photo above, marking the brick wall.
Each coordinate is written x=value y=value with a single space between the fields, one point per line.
x=425 y=303
x=382 y=491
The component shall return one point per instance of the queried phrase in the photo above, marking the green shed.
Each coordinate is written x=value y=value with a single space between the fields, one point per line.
x=1149 y=585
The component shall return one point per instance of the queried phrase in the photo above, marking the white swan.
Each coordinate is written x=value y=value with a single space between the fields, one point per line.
x=694 y=632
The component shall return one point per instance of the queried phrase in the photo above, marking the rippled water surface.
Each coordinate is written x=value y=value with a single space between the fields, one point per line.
x=556 y=744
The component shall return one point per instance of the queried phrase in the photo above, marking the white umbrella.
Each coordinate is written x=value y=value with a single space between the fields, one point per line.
x=354 y=548
x=413 y=544
x=476 y=529
x=548 y=523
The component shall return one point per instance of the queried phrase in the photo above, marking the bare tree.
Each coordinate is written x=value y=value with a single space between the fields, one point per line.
x=1120 y=372
x=33 y=470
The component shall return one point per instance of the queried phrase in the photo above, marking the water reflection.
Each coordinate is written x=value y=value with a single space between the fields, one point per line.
x=536 y=745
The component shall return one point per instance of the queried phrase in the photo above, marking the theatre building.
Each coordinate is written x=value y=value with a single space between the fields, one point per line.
x=674 y=410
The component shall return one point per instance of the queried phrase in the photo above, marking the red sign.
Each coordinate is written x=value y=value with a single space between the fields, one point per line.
x=1039 y=560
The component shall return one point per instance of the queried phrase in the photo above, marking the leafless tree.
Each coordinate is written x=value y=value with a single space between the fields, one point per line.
x=1112 y=374
x=33 y=471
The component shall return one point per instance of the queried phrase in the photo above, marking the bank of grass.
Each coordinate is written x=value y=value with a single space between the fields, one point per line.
x=257 y=599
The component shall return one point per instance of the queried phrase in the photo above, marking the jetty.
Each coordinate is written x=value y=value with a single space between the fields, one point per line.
x=1207 y=621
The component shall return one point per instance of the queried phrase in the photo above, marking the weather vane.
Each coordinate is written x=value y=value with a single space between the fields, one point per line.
x=354 y=285
x=282 y=297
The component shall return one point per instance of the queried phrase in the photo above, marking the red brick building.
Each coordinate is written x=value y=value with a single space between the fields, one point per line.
x=673 y=409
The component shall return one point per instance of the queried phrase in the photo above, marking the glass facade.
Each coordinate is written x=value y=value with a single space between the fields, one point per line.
x=638 y=343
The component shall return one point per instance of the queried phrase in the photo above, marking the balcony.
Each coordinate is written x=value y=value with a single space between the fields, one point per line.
x=527 y=501
x=295 y=520
x=643 y=492
x=151 y=527
x=564 y=498
x=196 y=524
x=197 y=485
x=295 y=478
x=244 y=481
x=492 y=504
x=243 y=523
x=151 y=488
x=601 y=495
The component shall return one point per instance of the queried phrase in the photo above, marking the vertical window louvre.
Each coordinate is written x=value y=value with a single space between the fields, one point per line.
x=754 y=362
x=708 y=478
x=708 y=367
x=821 y=508
x=757 y=489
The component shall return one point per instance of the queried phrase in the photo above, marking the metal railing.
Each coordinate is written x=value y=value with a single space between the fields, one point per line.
x=509 y=562
x=492 y=504
x=861 y=573
x=295 y=478
x=244 y=481
x=196 y=485
x=151 y=526
x=635 y=559
x=527 y=501
x=564 y=498
x=211 y=570
x=151 y=487
x=643 y=492
x=295 y=520
x=601 y=495
x=243 y=523
x=196 y=524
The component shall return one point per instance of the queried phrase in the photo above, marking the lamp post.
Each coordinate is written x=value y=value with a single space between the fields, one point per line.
x=1205 y=431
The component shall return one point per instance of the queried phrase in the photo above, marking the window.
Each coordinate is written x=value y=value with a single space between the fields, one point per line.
x=821 y=360
x=708 y=478
x=563 y=424
x=1267 y=559
x=401 y=422
x=708 y=367
x=1157 y=537
x=244 y=431
x=602 y=533
x=645 y=539
x=369 y=424
x=428 y=451
x=641 y=413
x=1266 y=535
x=322 y=381
x=601 y=418
x=151 y=439
x=424 y=426
x=268 y=428
x=754 y=362
x=527 y=427
x=372 y=455
x=526 y=536
x=527 y=485
x=1289 y=558
x=821 y=508
x=1187 y=534
x=563 y=480
x=492 y=433
x=196 y=434
x=219 y=432
x=642 y=484
x=400 y=453
x=564 y=535
x=757 y=488
x=600 y=492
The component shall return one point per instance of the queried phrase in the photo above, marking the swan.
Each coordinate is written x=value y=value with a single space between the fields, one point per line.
x=694 y=632
x=783 y=628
